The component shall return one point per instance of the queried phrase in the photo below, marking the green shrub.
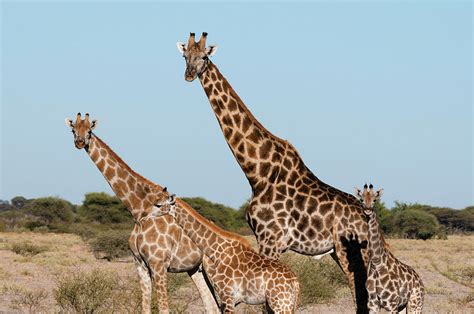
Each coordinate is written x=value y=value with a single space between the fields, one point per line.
x=104 y=209
x=19 y=202
x=319 y=280
x=86 y=292
x=111 y=244
x=27 y=249
x=13 y=219
x=413 y=224
x=49 y=210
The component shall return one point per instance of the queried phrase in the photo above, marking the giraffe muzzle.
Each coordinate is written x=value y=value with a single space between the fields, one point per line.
x=80 y=143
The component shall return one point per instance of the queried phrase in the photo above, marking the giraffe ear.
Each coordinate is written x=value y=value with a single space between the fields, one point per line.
x=379 y=193
x=358 y=192
x=93 y=124
x=69 y=122
x=211 y=50
x=181 y=47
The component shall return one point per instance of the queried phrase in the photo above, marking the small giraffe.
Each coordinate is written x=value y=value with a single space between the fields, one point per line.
x=290 y=209
x=391 y=284
x=235 y=270
x=158 y=245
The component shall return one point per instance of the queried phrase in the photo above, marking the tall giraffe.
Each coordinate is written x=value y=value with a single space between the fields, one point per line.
x=235 y=270
x=158 y=245
x=290 y=207
x=391 y=284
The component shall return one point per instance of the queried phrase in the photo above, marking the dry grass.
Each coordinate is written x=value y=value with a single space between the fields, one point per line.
x=28 y=282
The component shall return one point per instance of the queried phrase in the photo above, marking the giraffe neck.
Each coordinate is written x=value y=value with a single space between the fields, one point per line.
x=136 y=192
x=208 y=237
x=376 y=241
x=253 y=146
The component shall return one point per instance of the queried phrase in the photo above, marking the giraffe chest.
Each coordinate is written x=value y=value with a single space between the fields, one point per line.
x=391 y=286
x=163 y=243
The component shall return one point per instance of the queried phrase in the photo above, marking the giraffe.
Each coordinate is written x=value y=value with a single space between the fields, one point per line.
x=236 y=272
x=158 y=245
x=391 y=284
x=290 y=208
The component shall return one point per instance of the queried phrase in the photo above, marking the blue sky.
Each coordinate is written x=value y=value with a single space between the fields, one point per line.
x=366 y=91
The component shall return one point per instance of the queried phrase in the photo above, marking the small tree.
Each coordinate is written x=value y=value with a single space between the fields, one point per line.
x=414 y=224
x=104 y=209
x=50 y=210
x=19 y=202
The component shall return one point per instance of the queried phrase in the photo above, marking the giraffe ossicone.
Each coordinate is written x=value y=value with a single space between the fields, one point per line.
x=391 y=284
x=158 y=245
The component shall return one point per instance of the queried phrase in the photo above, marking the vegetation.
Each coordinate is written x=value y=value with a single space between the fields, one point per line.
x=444 y=265
x=27 y=249
x=102 y=291
x=82 y=292
x=111 y=244
x=27 y=300
x=104 y=222
x=319 y=280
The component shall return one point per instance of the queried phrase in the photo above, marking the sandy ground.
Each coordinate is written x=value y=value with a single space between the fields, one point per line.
x=446 y=267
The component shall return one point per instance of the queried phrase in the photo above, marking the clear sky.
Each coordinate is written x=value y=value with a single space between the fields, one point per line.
x=366 y=91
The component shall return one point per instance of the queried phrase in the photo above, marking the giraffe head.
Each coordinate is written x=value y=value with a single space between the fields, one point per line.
x=196 y=55
x=82 y=130
x=368 y=197
x=164 y=206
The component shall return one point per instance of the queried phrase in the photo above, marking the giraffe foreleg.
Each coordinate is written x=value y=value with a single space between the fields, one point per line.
x=160 y=281
x=373 y=303
x=145 y=286
x=415 y=303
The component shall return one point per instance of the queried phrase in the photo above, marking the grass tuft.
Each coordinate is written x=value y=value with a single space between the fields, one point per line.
x=27 y=249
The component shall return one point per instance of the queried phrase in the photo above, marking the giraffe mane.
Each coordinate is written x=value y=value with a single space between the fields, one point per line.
x=213 y=227
x=385 y=244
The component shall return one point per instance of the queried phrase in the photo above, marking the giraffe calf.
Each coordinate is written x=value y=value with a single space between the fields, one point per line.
x=391 y=284
x=237 y=273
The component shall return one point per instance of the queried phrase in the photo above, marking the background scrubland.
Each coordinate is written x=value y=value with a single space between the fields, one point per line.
x=57 y=256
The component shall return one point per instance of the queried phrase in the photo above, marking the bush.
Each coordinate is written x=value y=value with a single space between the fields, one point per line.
x=30 y=301
x=13 y=219
x=413 y=224
x=319 y=280
x=83 y=292
x=50 y=210
x=105 y=209
x=27 y=249
x=111 y=244
x=19 y=202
